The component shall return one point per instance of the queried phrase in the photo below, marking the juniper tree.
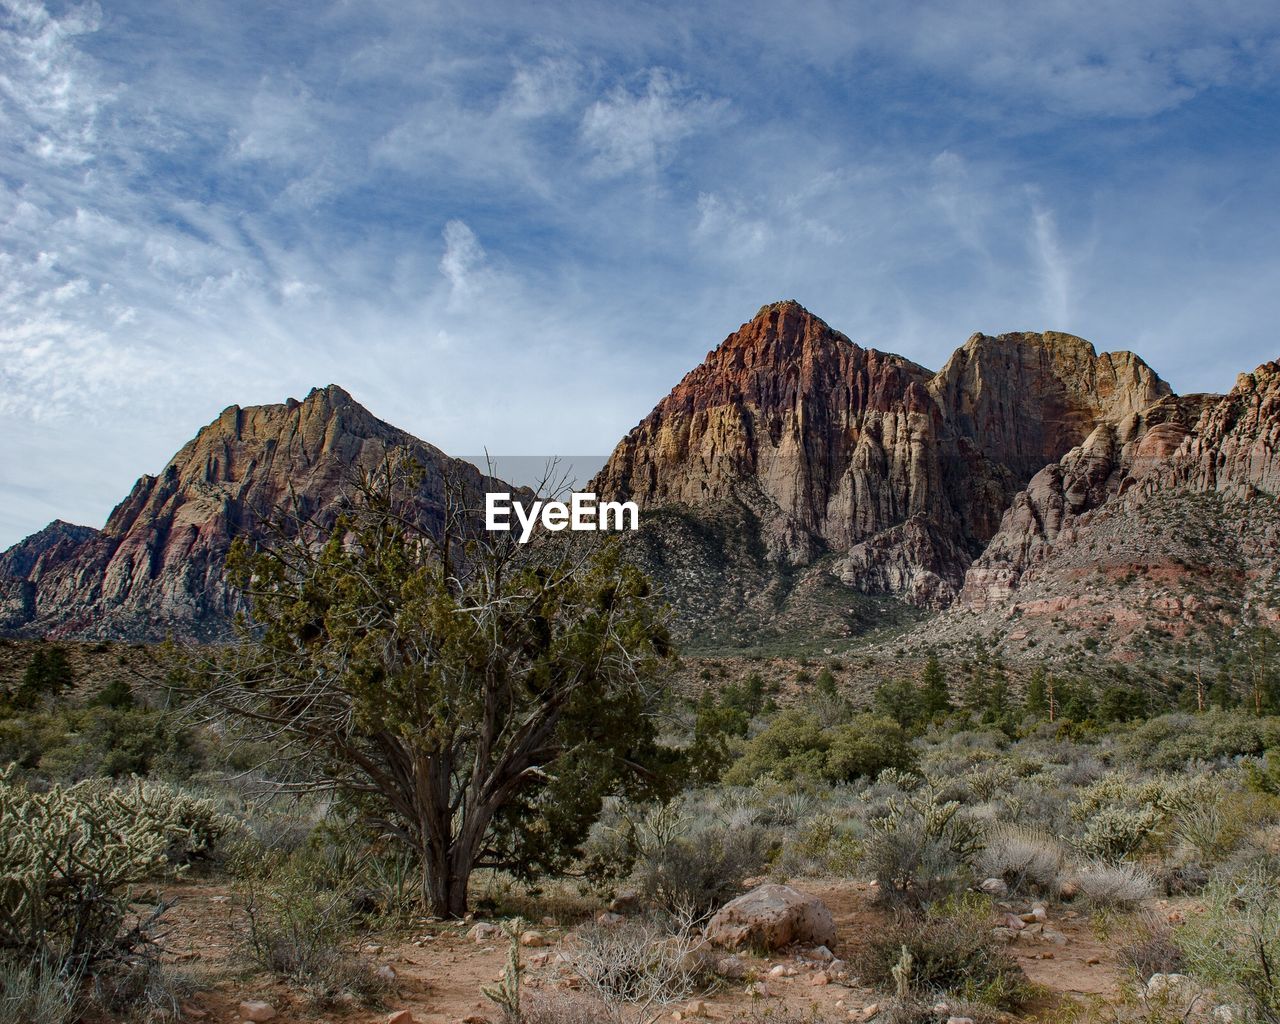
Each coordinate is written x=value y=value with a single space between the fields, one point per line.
x=473 y=697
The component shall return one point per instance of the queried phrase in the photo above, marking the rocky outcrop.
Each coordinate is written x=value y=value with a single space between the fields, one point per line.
x=900 y=473
x=158 y=566
x=772 y=917
x=1224 y=445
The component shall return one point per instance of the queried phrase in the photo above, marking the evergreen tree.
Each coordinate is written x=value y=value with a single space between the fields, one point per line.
x=935 y=697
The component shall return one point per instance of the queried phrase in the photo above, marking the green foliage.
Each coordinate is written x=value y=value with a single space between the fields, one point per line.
x=522 y=680
x=935 y=696
x=1235 y=945
x=299 y=922
x=947 y=950
x=69 y=856
x=866 y=746
x=795 y=745
x=48 y=674
x=922 y=848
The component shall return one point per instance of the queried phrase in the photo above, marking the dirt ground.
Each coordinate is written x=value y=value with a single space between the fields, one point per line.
x=439 y=970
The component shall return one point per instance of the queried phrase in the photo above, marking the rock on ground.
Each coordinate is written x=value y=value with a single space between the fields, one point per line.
x=770 y=917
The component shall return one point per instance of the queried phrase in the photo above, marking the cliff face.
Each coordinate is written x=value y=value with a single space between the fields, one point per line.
x=901 y=473
x=158 y=566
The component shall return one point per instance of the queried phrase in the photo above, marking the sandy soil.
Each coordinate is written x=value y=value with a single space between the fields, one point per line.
x=440 y=971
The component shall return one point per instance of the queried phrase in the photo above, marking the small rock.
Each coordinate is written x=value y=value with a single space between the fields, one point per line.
x=959 y=1020
x=607 y=918
x=819 y=979
x=696 y=1008
x=253 y=1010
x=995 y=887
x=548 y=921
x=870 y=1011
x=1040 y=912
x=1069 y=890
x=372 y=950
x=387 y=973
x=625 y=901
x=483 y=933
x=533 y=939
x=1028 y=918
x=822 y=953
x=731 y=967
x=401 y=1017
x=780 y=971
x=758 y=990
x=1054 y=936
x=1004 y=934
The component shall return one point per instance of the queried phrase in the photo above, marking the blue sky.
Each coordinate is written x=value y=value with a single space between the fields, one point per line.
x=516 y=225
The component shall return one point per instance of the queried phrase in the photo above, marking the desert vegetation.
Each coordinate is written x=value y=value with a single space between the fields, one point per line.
x=429 y=744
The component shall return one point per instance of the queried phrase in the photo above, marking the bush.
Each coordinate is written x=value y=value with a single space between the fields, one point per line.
x=947 y=950
x=921 y=848
x=701 y=872
x=1235 y=945
x=795 y=745
x=35 y=990
x=1103 y=886
x=638 y=967
x=67 y=860
x=297 y=931
x=1028 y=861
x=1114 y=833
x=865 y=747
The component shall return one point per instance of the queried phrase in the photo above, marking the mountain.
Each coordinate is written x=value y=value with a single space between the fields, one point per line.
x=796 y=488
x=157 y=567
x=1162 y=529
x=813 y=450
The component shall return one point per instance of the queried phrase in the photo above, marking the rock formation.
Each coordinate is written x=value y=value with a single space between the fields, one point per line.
x=158 y=565
x=899 y=472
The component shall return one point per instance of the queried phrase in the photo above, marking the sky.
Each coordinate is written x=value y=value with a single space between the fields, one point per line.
x=514 y=226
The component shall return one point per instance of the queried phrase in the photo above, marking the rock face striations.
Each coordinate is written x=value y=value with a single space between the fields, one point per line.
x=793 y=484
x=900 y=473
x=158 y=566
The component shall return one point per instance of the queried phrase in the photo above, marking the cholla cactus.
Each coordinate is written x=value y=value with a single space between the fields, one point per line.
x=506 y=994
x=69 y=856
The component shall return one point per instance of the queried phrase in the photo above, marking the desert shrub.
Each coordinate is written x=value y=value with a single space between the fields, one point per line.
x=1171 y=742
x=37 y=990
x=1212 y=827
x=68 y=858
x=701 y=871
x=826 y=846
x=949 y=949
x=1150 y=947
x=636 y=968
x=1027 y=860
x=793 y=744
x=1263 y=775
x=796 y=745
x=297 y=930
x=866 y=746
x=1104 y=886
x=921 y=848
x=1113 y=833
x=1235 y=945
x=143 y=987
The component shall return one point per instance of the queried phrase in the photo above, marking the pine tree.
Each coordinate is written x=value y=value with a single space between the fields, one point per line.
x=935 y=697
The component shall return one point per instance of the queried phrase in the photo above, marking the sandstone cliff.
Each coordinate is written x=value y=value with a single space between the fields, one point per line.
x=157 y=566
x=900 y=473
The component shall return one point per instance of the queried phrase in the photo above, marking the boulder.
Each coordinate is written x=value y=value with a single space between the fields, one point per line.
x=995 y=887
x=770 y=917
x=253 y=1010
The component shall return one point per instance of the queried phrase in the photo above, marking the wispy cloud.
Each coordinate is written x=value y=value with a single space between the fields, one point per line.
x=473 y=215
x=639 y=130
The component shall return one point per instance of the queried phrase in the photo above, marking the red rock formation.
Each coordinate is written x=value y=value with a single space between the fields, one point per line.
x=157 y=567
x=845 y=450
